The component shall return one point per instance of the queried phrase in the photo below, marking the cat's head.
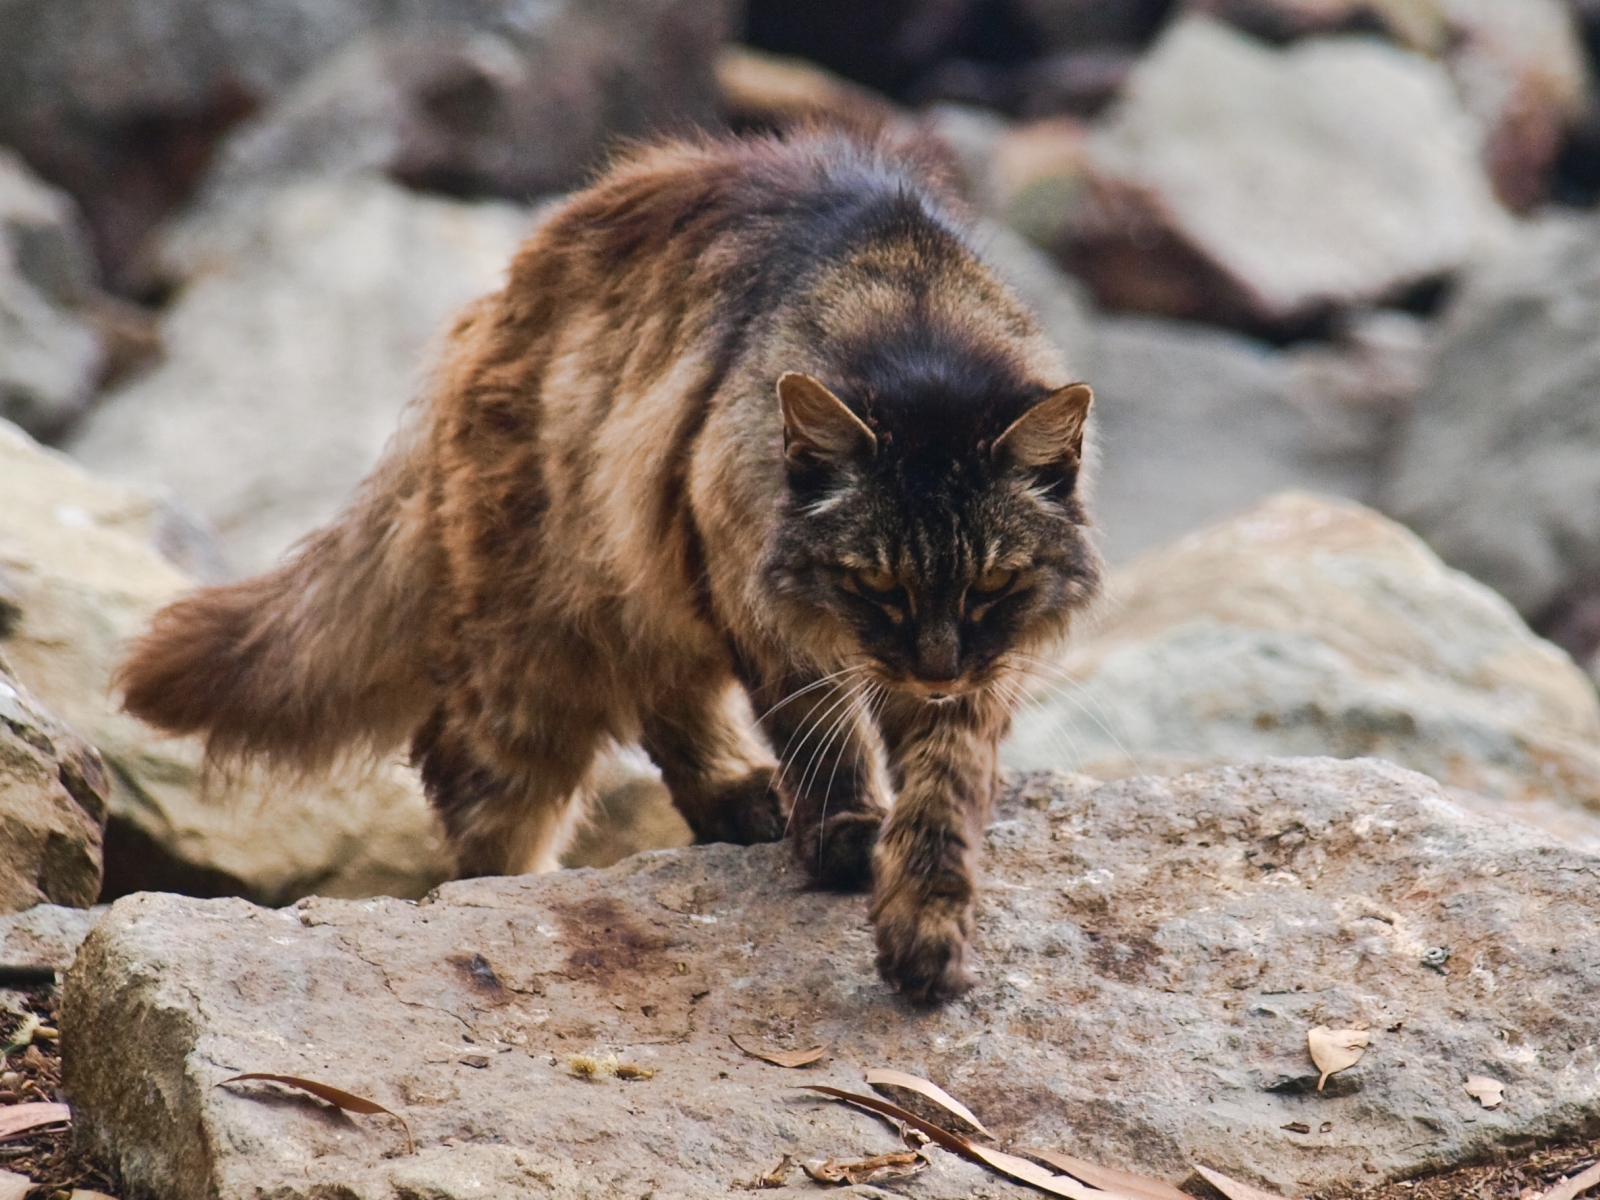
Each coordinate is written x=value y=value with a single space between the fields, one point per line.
x=935 y=535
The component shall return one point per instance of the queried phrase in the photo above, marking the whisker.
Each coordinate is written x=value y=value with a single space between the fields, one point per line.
x=813 y=685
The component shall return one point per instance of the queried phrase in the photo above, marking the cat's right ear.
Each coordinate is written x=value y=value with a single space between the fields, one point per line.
x=817 y=424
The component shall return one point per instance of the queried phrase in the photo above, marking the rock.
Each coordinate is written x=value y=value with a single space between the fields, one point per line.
x=770 y=91
x=123 y=103
x=46 y=935
x=52 y=806
x=1315 y=626
x=86 y=568
x=1262 y=188
x=1519 y=67
x=1057 y=300
x=1153 y=954
x=1357 y=389
x=300 y=335
x=885 y=45
x=1195 y=424
x=50 y=355
x=469 y=112
x=1499 y=465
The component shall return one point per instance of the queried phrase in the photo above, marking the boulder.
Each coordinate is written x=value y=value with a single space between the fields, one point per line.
x=123 y=103
x=1263 y=188
x=1519 y=66
x=46 y=936
x=299 y=337
x=88 y=563
x=1315 y=626
x=1152 y=953
x=52 y=806
x=50 y=354
x=1499 y=464
x=1196 y=423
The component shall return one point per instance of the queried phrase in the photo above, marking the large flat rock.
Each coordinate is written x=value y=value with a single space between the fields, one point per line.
x=1153 y=953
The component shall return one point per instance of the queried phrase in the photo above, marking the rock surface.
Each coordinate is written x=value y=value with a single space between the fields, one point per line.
x=1153 y=954
x=87 y=563
x=1195 y=424
x=300 y=336
x=1499 y=466
x=52 y=806
x=50 y=355
x=46 y=935
x=1257 y=186
x=123 y=103
x=1314 y=626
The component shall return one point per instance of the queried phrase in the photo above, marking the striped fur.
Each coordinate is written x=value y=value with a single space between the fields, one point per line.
x=607 y=524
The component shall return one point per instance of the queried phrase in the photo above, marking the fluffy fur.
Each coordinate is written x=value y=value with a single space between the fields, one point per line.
x=749 y=421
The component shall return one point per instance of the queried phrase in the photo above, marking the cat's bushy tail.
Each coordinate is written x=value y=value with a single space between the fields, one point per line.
x=316 y=658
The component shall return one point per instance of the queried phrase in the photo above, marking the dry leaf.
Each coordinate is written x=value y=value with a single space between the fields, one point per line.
x=628 y=1070
x=23 y=1035
x=779 y=1174
x=1009 y=1165
x=1574 y=1186
x=782 y=1058
x=21 y=1118
x=1136 y=1187
x=892 y=1078
x=338 y=1097
x=867 y=1170
x=14 y=1186
x=1232 y=1188
x=1487 y=1092
x=1333 y=1050
x=82 y=1194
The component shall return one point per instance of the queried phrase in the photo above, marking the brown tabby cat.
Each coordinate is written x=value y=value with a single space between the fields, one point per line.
x=749 y=420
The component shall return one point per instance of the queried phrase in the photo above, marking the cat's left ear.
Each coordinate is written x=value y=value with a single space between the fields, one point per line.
x=1051 y=432
x=817 y=424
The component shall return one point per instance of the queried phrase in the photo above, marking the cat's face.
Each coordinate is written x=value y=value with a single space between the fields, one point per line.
x=932 y=558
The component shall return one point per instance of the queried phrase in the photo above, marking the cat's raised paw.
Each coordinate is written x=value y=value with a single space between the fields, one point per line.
x=745 y=812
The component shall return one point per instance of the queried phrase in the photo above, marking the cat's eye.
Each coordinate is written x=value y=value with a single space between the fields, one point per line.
x=992 y=583
x=874 y=582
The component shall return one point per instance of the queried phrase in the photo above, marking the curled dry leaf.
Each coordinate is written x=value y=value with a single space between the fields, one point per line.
x=1487 y=1092
x=782 y=1058
x=14 y=1186
x=1009 y=1165
x=778 y=1176
x=1232 y=1188
x=23 y=1118
x=867 y=1170
x=1574 y=1186
x=886 y=1077
x=338 y=1097
x=1333 y=1050
x=1136 y=1187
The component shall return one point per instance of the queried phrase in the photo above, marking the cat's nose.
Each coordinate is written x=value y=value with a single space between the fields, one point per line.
x=938 y=656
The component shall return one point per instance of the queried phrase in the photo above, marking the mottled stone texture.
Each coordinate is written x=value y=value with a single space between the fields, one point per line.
x=1152 y=955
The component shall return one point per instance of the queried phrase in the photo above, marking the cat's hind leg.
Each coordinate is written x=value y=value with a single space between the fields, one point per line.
x=507 y=808
x=719 y=773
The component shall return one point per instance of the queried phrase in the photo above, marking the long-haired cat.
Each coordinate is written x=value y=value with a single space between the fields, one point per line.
x=749 y=430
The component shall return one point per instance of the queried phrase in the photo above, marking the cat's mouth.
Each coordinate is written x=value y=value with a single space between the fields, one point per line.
x=941 y=691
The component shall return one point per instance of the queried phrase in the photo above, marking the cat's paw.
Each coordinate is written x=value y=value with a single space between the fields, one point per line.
x=839 y=854
x=745 y=811
x=922 y=945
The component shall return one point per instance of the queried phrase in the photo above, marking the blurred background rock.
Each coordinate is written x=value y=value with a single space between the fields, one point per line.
x=1338 y=246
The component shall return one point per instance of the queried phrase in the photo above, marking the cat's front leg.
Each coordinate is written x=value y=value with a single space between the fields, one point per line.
x=943 y=759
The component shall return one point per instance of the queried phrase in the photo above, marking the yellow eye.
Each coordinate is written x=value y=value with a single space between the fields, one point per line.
x=993 y=582
x=875 y=582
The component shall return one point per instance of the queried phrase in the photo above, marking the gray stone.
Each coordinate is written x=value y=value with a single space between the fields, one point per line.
x=52 y=806
x=87 y=563
x=77 y=77
x=1152 y=953
x=1499 y=465
x=46 y=935
x=1315 y=626
x=1058 y=300
x=1196 y=423
x=300 y=336
x=50 y=355
x=1253 y=185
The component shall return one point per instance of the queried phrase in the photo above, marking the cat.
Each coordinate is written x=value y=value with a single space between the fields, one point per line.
x=752 y=463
